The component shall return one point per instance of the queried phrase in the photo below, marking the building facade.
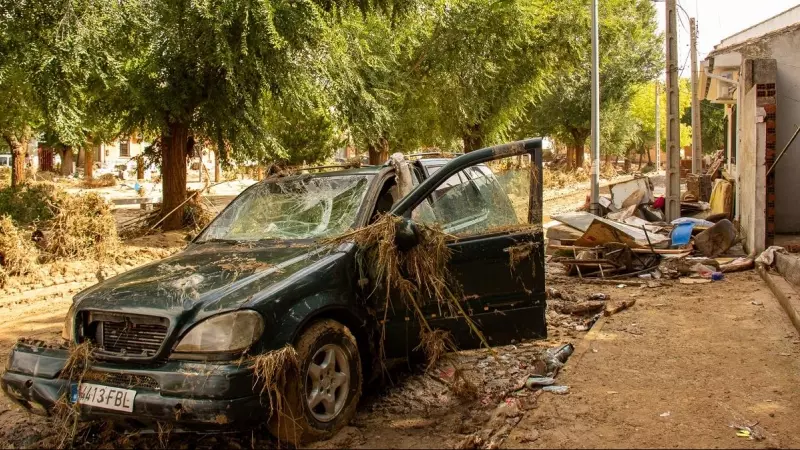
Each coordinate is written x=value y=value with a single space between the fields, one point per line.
x=756 y=75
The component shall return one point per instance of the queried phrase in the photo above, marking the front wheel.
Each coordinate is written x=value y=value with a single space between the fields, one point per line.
x=324 y=398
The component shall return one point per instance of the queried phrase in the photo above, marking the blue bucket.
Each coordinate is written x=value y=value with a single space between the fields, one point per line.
x=682 y=234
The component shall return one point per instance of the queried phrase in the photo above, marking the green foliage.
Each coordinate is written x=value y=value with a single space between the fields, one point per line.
x=630 y=54
x=29 y=203
x=643 y=107
x=486 y=60
x=712 y=125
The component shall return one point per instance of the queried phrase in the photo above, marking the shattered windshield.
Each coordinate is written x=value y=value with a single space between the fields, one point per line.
x=296 y=208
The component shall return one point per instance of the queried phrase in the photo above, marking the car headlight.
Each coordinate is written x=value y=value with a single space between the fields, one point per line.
x=229 y=332
x=67 y=332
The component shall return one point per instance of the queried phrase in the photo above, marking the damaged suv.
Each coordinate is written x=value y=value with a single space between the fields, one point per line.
x=176 y=340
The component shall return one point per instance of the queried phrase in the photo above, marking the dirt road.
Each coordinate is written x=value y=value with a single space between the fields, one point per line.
x=676 y=371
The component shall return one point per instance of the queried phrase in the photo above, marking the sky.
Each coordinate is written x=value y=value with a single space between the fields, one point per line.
x=718 y=19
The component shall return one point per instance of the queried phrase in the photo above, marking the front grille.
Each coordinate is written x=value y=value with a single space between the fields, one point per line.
x=127 y=335
x=122 y=380
x=132 y=339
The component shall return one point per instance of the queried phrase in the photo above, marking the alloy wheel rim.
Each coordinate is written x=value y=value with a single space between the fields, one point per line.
x=328 y=382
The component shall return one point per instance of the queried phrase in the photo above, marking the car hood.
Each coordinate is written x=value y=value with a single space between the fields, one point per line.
x=211 y=277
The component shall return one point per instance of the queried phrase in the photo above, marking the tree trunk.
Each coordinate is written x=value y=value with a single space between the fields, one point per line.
x=88 y=160
x=627 y=166
x=640 y=161
x=579 y=154
x=570 y=157
x=18 y=150
x=66 y=162
x=217 y=171
x=378 y=154
x=579 y=137
x=140 y=167
x=173 y=174
x=473 y=138
x=649 y=159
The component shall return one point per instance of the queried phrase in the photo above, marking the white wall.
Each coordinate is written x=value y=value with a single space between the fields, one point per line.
x=784 y=47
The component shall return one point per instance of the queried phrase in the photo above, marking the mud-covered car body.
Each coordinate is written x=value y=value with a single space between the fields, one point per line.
x=138 y=322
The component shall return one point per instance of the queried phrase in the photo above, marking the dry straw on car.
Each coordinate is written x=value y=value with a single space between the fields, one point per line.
x=416 y=275
x=272 y=371
x=66 y=414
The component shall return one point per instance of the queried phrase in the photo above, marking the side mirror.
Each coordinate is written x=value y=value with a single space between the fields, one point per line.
x=406 y=234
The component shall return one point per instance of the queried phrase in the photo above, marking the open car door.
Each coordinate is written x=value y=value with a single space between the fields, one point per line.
x=490 y=201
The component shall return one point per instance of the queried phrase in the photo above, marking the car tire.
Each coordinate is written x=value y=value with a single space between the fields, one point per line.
x=325 y=396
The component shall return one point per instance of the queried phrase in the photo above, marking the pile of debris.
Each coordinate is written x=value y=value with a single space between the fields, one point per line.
x=632 y=238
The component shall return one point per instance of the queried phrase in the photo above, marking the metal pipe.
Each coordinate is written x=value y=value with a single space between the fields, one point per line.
x=595 y=172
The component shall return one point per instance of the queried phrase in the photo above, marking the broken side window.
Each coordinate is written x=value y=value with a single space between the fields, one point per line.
x=480 y=199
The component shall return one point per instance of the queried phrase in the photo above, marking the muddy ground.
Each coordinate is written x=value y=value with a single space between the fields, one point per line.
x=677 y=369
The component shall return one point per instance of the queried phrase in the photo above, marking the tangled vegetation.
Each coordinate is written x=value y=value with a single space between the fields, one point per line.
x=41 y=223
x=415 y=276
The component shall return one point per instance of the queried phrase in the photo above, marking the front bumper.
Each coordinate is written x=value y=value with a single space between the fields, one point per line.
x=185 y=393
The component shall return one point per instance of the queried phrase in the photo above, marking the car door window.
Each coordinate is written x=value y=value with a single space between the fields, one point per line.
x=473 y=201
x=456 y=205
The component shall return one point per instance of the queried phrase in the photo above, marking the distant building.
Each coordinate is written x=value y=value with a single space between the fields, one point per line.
x=756 y=74
x=118 y=153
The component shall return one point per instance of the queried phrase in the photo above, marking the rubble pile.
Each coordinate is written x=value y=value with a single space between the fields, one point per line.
x=631 y=237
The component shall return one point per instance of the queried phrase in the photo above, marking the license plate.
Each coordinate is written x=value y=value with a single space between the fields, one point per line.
x=103 y=396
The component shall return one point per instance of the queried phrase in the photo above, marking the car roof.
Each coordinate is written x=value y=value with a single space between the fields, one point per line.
x=368 y=170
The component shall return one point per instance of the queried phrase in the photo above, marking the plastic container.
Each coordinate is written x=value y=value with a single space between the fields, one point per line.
x=682 y=234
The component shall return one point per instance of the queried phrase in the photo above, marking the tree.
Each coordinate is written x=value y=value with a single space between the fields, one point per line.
x=207 y=69
x=486 y=60
x=630 y=54
x=712 y=125
x=55 y=68
x=643 y=107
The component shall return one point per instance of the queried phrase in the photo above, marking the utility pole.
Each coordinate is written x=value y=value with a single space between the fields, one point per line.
x=697 y=142
x=673 y=204
x=658 y=125
x=595 y=175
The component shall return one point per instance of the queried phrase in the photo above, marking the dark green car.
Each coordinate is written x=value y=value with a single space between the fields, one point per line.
x=169 y=338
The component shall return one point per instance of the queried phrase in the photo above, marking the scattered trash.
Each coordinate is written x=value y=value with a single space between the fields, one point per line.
x=666 y=414
x=737 y=265
x=681 y=234
x=555 y=358
x=694 y=221
x=717 y=276
x=757 y=303
x=717 y=239
x=752 y=432
x=620 y=286
x=599 y=296
x=767 y=257
x=632 y=238
x=560 y=390
x=685 y=280
x=615 y=307
x=538 y=381
x=703 y=270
